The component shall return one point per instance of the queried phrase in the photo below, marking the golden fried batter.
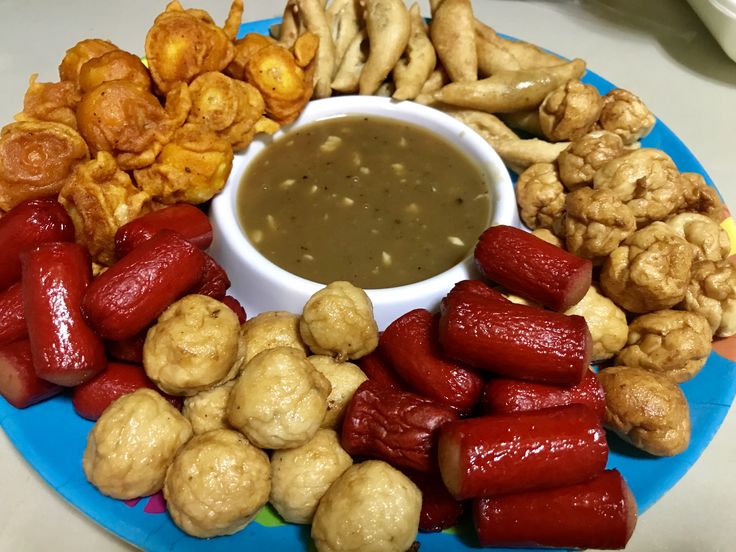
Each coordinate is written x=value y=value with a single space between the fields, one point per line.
x=50 y=101
x=81 y=53
x=114 y=65
x=192 y=168
x=36 y=158
x=100 y=198
x=245 y=48
x=183 y=44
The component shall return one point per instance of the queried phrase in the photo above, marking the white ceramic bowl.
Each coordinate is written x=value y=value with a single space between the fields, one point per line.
x=260 y=285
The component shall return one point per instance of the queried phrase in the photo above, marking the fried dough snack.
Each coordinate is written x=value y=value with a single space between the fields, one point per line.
x=579 y=162
x=113 y=65
x=245 y=48
x=626 y=115
x=492 y=55
x=183 y=44
x=345 y=20
x=570 y=111
x=712 y=294
x=418 y=61
x=288 y=31
x=511 y=90
x=388 y=25
x=347 y=77
x=81 y=53
x=520 y=154
x=100 y=198
x=540 y=195
x=192 y=168
x=129 y=122
x=710 y=242
x=698 y=197
x=527 y=55
x=50 y=101
x=314 y=19
x=606 y=322
x=453 y=35
x=36 y=159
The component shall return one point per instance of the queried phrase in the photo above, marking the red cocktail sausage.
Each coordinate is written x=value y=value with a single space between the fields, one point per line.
x=12 y=317
x=19 y=383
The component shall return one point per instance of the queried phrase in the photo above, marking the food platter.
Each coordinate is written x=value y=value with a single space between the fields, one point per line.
x=52 y=438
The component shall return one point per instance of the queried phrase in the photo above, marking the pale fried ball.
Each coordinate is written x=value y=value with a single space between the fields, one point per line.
x=710 y=241
x=547 y=235
x=649 y=271
x=207 y=410
x=269 y=330
x=302 y=475
x=345 y=378
x=596 y=223
x=647 y=409
x=578 y=163
x=192 y=346
x=674 y=343
x=338 y=321
x=570 y=111
x=217 y=484
x=606 y=322
x=698 y=197
x=626 y=115
x=279 y=400
x=132 y=444
x=372 y=507
x=712 y=294
x=540 y=195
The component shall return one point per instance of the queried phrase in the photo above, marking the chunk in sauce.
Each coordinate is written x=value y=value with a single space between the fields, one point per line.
x=371 y=200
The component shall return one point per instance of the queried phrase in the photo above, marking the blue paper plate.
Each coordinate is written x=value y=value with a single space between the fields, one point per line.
x=52 y=439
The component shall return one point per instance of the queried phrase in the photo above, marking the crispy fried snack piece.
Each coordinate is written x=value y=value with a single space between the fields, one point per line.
x=227 y=106
x=347 y=77
x=453 y=37
x=113 y=65
x=313 y=17
x=346 y=20
x=492 y=55
x=570 y=111
x=192 y=168
x=288 y=31
x=528 y=56
x=305 y=49
x=50 y=101
x=520 y=154
x=245 y=48
x=81 y=53
x=129 y=122
x=419 y=59
x=388 y=26
x=540 y=195
x=185 y=43
x=100 y=198
x=36 y=159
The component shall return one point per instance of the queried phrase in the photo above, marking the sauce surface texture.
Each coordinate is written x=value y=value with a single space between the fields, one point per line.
x=375 y=201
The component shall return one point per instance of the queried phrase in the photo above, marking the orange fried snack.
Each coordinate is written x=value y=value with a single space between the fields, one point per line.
x=113 y=65
x=50 y=101
x=81 y=53
x=36 y=158
x=232 y=108
x=192 y=168
x=183 y=44
x=245 y=48
x=129 y=122
x=100 y=198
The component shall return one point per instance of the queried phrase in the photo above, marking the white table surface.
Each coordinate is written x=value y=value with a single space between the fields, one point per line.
x=657 y=49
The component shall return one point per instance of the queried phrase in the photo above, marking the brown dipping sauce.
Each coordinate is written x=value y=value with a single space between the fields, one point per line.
x=371 y=200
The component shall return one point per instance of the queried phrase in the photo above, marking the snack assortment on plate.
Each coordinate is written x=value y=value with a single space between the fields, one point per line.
x=368 y=437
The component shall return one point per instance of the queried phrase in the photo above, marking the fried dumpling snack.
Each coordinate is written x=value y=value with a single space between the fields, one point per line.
x=347 y=77
x=419 y=60
x=50 y=101
x=81 y=53
x=453 y=37
x=388 y=27
x=113 y=65
x=527 y=55
x=183 y=44
x=129 y=122
x=346 y=20
x=313 y=18
x=100 y=198
x=36 y=159
x=192 y=168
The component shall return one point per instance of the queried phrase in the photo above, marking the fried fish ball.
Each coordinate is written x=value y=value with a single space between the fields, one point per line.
x=192 y=168
x=345 y=378
x=36 y=159
x=698 y=197
x=647 y=180
x=646 y=409
x=540 y=195
x=133 y=443
x=192 y=346
x=606 y=322
x=302 y=475
x=81 y=53
x=113 y=65
x=547 y=235
x=279 y=400
x=50 y=101
x=624 y=113
x=207 y=410
x=183 y=44
x=710 y=242
x=669 y=342
x=712 y=294
x=100 y=198
x=649 y=271
x=338 y=321
x=579 y=162
x=570 y=111
x=129 y=122
x=217 y=484
x=271 y=329
x=372 y=507
x=596 y=223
